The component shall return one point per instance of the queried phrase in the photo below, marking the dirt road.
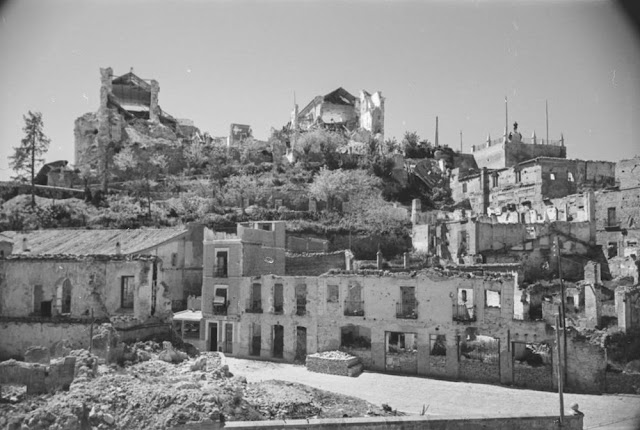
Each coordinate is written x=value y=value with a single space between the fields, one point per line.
x=451 y=399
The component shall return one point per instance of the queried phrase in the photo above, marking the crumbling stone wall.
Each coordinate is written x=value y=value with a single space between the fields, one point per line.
x=628 y=173
x=533 y=378
x=39 y=378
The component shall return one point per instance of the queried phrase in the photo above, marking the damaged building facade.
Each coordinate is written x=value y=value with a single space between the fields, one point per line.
x=341 y=110
x=445 y=324
x=179 y=248
x=129 y=113
x=47 y=298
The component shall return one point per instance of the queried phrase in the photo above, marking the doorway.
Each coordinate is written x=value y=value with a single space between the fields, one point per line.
x=278 y=341
x=301 y=344
x=228 y=338
x=213 y=337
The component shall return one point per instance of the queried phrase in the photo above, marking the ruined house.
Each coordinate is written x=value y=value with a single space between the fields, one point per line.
x=341 y=110
x=437 y=323
x=47 y=298
x=180 y=250
x=57 y=174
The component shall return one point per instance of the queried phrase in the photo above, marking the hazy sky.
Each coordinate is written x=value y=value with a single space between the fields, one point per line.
x=220 y=62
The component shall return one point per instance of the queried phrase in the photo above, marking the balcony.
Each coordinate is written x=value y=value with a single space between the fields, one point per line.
x=278 y=308
x=253 y=306
x=301 y=307
x=353 y=308
x=407 y=310
x=463 y=313
x=220 y=309
x=612 y=225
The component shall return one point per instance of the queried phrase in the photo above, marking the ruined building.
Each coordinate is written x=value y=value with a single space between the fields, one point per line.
x=342 y=111
x=512 y=149
x=129 y=113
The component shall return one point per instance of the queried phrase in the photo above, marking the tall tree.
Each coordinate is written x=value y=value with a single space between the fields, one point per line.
x=32 y=146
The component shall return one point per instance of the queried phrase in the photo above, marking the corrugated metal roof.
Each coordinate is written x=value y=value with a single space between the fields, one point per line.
x=90 y=242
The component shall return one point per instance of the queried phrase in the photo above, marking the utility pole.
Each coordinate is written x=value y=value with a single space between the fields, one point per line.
x=560 y=370
x=546 y=108
x=91 y=333
x=461 y=141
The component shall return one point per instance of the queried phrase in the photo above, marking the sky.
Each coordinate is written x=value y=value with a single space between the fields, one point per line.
x=223 y=62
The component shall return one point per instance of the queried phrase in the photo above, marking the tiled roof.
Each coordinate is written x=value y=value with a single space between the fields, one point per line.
x=92 y=242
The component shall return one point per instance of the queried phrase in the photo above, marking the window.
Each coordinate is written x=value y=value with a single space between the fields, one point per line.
x=464 y=187
x=1 y=253
x=37 y=299
x=220 y=300
x=221 y=269
x=491 y=299
x=66 y=297
x=191 y=330
x=408 y=306
x=126 y=292
x=518 y=174
x=494 y=180
x=570 y=177
x=611 y=217
x=612 y=249
x=278 y=299
x=552 y=176
x=333 y=294
x=174 y=259
x=301 y=299
x=254 y=304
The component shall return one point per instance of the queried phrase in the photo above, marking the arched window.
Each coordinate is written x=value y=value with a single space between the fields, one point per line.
x=66 y=297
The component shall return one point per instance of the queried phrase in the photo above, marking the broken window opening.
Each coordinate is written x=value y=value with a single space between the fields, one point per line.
x=612 y=249
x=333 y=294
x=438 y=345
x=398 y=342
x=174 y=259
x=254 y=303
x=353 y=336
x=570 y=177
x=407 y=308
x=491 y=299
x=222 y=259
x=37 y=299
x=126 y=292
x=220 y=302
x=518 y=175
x=464 y=187
x=464 y=307
x=278 y=299
x=301 y=299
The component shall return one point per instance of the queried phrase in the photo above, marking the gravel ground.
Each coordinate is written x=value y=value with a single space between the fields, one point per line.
x=450 y=399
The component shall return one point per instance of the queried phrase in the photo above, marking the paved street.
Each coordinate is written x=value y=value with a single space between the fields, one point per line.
x=453 y=399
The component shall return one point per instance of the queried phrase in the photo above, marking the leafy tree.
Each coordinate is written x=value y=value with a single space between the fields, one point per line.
x=242 y=187
x=143 y=167
x=332 y=185
x=413 y=147
x=33 y=145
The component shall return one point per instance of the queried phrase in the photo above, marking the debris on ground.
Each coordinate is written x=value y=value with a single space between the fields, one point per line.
x=146 y=391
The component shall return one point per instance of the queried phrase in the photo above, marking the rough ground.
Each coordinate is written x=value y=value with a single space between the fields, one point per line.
x=155 y=394
x=451 y=399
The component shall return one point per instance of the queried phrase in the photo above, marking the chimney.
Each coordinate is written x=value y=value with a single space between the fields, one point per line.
x=118 y=248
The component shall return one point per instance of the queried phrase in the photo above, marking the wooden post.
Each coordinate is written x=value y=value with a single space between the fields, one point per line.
x=560 y=372
x=91 y=333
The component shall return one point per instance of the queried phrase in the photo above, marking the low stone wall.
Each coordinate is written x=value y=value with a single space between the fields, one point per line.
x=618 y=383
x=39 y=378
x=334 y=366
x=480 y=371
x=402 y=362
x=18 y=336
x=437 y=365
x=533 y=378
x=407 y=423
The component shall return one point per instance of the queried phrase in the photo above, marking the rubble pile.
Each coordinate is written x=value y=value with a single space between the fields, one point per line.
x=148 y=392
x=334 y=363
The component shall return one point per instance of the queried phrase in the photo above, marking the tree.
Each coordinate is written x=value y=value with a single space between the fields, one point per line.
x=144 y=166
x=32 y=146
x=330 y=185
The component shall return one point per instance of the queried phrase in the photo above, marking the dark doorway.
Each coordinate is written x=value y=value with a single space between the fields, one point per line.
x=278 y=299
x=278 y=341
x=45 y=308
x=213 y=337
x=301 y=344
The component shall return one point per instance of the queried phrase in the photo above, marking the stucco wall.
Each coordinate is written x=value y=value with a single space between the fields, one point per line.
x=18 y=336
